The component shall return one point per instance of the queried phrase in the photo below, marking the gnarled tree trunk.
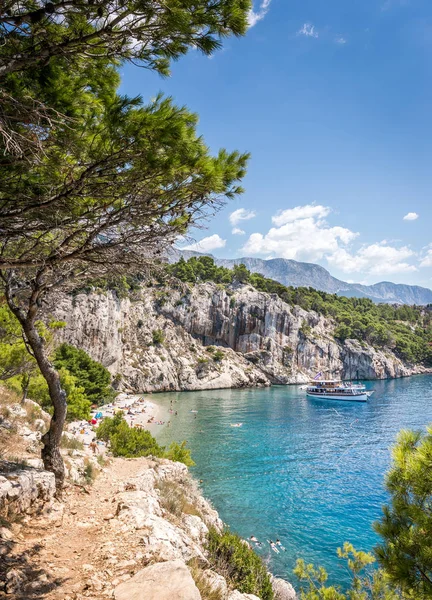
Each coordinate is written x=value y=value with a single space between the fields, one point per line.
x=51 y=440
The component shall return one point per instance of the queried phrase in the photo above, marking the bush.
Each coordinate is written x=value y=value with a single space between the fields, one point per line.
x=131 y=442
x=90 y=472
x=232 y=557
x=71 y=443
x=158 y=336
x=174 y=499
x=210 y=349
x=180 y=453
x=218 y=356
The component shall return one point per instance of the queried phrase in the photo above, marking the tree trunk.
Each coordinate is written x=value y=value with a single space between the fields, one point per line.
x=25 y=386
x=51 y=440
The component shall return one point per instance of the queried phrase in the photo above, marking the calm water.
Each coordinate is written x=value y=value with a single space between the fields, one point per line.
x=307 y=471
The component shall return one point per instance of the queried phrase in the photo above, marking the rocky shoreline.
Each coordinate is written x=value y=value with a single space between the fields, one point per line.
x=138 y=532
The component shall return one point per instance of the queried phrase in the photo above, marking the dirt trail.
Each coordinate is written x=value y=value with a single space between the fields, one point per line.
x=73 y=555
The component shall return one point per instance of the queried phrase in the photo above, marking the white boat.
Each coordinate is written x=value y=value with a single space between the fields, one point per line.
x=335 y=389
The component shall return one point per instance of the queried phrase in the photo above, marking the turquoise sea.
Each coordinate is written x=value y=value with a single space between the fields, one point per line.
x=307 y=471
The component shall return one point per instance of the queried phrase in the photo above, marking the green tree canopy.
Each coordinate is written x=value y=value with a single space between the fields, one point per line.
x=406 y=525
x=93 y=377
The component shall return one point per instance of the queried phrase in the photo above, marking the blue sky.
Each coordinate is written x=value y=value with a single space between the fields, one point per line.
x=333 y=99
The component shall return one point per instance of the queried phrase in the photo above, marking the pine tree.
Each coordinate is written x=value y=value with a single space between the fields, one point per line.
x=406 y=525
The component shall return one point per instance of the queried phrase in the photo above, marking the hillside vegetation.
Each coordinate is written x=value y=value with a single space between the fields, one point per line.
x=407 y=330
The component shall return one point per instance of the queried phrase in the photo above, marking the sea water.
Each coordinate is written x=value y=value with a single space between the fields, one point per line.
x=309 y=472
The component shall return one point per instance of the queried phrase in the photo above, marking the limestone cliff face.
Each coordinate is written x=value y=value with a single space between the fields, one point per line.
x=263 y=339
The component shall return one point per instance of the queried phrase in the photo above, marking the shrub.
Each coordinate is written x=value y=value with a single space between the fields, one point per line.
x=71 y=443
x=158 y=336
x=206 y=589
x=210 y=349
x=218 y=356
x=232 y=557
x=305 y=328
x=90 y=472
x=108 y=426
x=140 y=323
x=180 y=453
x=130 y=442
x=174 y=500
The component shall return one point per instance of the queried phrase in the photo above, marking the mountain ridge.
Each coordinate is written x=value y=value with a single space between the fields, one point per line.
x=302 y=274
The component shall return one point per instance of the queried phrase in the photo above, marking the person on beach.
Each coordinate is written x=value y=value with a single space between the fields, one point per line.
x=93 y=446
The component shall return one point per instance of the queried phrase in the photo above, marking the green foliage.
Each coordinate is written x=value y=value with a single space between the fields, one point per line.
x=33 y=34
x=180 y=453
x=218 y=356
x=77 y=402
x=14 y=358
x=93 y=377
x=71 y=443
x=407 y=330
x=232 y=557
x=305 y=328
x=109 y=426
x=131 y=442
x=406 y=525
x=366 y=584
x=240 y=273
x=158 y=337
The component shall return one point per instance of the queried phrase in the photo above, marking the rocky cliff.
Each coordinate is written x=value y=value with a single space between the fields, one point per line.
x=209 y=337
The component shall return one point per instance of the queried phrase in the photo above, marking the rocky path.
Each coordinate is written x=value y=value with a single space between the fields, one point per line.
x=70 y=554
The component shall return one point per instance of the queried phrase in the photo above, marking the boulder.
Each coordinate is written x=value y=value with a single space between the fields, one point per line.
x=236 y=595
x=216 y=582
x=161 y=581
x=282 y=589
x=25 y=491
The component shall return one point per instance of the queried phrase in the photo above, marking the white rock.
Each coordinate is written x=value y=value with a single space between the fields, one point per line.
x=216 y=581
x=161 y=581
x=282 y=589
x=236 y=595
x=25 y=491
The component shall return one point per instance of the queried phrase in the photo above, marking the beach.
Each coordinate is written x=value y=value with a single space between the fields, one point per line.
x=138 y=411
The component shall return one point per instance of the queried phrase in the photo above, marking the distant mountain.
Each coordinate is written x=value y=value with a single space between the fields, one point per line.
x=292 y=272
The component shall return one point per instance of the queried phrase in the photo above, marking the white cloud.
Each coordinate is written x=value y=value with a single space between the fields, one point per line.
x=340 y=40
x=238 y=231
x=300 y=212
x=301 y=233
x=411 y=216
x=308 y=30
x=241 y=214
x=377 y=259
x=255 y=16
x=206 y=244
x=426 y=261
